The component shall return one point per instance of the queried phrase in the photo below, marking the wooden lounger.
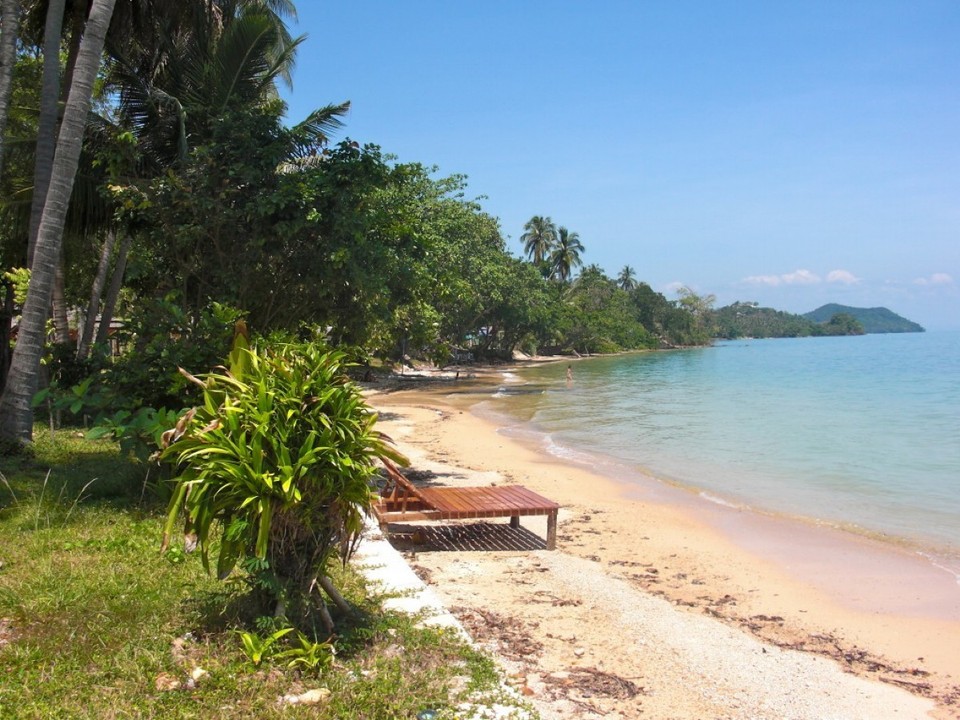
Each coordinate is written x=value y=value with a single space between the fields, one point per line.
x=402 y=501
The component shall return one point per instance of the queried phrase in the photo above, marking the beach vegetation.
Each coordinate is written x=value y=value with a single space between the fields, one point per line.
x=95 y=622
x=539 y=238
x=627 y=278
x=273 y=468
x=565 y=257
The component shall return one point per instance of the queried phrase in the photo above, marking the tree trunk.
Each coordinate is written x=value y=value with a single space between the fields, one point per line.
x=61 y=323
x=47 y=122
x=6 y=322
x=116 y=283
x=10 y=18
x=90 y=324
x=16 y=415
x=327 y=584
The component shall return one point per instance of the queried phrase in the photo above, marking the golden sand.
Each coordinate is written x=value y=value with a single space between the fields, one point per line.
x=557 y=619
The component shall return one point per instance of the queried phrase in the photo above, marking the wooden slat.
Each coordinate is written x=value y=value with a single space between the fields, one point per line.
x=406 y=502
x=407 y=516
x=479 y=502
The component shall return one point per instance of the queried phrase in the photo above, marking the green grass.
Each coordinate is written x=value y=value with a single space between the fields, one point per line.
x=91 y=614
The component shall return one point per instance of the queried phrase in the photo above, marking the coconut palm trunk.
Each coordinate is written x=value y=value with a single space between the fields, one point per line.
x=16 y=415
x=96 y=292
x=6 y=322
x=47 y=121
x=61 y=323
x=10 y=18
x=116 y=282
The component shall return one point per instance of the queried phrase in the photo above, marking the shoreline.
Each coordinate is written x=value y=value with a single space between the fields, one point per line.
x=829 y=556
x=669 y=544
x=644 y=483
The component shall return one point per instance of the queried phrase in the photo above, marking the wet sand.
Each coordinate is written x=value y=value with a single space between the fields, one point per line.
x=583 y=628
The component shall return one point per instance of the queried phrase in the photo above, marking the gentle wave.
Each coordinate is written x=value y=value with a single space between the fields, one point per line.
x=722 y=502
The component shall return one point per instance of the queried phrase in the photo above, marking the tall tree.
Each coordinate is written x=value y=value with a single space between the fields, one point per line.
x=196 y=68
x=16 y=415
x=539 y=238
x=699 y=307
x=47 y=124
x=10 y=19
x=181 y=72
x=566 y=254
x=204 y=110
x=627 y=279
x=99 y=282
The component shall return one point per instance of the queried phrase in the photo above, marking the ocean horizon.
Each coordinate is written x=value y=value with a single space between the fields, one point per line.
x=859 y=433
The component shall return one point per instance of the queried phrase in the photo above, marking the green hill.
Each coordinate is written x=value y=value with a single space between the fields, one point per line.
x=748 y=319
x=874 y=320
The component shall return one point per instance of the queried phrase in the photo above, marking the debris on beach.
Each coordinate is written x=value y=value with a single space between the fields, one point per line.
x=594 y=682
x=509 y=634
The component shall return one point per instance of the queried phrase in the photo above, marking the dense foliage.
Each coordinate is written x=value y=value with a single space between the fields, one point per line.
x=387 y=256
x=873 y=320
x=745 y=319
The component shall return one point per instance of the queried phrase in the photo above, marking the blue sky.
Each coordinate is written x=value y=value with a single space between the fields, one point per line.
x=790 y=153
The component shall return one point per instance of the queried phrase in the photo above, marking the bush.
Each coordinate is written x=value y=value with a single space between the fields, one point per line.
x=160 y=337
x=279 y=457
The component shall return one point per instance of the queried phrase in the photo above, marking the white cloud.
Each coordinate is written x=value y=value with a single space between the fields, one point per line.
x=801 y=277
x=935 y=279
x=773 y=280
x=842 y=276
x=797 y=277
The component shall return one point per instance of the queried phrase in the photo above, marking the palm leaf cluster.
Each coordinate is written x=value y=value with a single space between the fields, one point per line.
x=174 y=83
x=556 y=250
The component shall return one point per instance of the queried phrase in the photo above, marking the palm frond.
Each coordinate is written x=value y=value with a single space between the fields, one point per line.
x=314 y=131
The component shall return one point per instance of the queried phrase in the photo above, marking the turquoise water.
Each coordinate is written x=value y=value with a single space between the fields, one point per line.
x=858 y=432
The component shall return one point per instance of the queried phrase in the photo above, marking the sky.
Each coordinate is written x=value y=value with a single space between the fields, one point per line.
x=788 y=153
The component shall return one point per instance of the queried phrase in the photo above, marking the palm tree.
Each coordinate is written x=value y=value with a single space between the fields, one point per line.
x=49 y=110
x=251 y=49
x=175 y=85
x=539 y=238
x=627 y=279
x=566 y=254
x=16 y=413
x=194 y=70
x=10 y=19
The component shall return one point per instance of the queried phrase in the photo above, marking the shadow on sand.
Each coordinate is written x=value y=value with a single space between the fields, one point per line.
x=475 y=536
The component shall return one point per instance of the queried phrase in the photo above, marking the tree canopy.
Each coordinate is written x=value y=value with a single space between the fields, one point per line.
x=195 y=201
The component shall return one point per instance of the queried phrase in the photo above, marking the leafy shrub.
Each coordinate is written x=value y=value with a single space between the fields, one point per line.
x=279 y=458
x=161 y=337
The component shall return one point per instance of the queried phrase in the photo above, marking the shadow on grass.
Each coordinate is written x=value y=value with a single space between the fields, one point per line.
x=67 y=466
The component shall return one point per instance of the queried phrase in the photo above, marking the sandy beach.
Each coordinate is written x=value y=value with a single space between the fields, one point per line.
x=658 y=604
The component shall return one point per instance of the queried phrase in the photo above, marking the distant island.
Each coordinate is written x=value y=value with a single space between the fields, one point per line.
x=748 y=319
x=874 y=320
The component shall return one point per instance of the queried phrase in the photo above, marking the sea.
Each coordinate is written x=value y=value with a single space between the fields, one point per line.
x=859 y=433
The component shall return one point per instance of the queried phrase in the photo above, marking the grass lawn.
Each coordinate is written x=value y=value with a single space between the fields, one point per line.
x=96 y=623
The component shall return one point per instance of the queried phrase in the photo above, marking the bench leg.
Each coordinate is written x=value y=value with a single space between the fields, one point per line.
x=552 y=531
x=514 y=521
